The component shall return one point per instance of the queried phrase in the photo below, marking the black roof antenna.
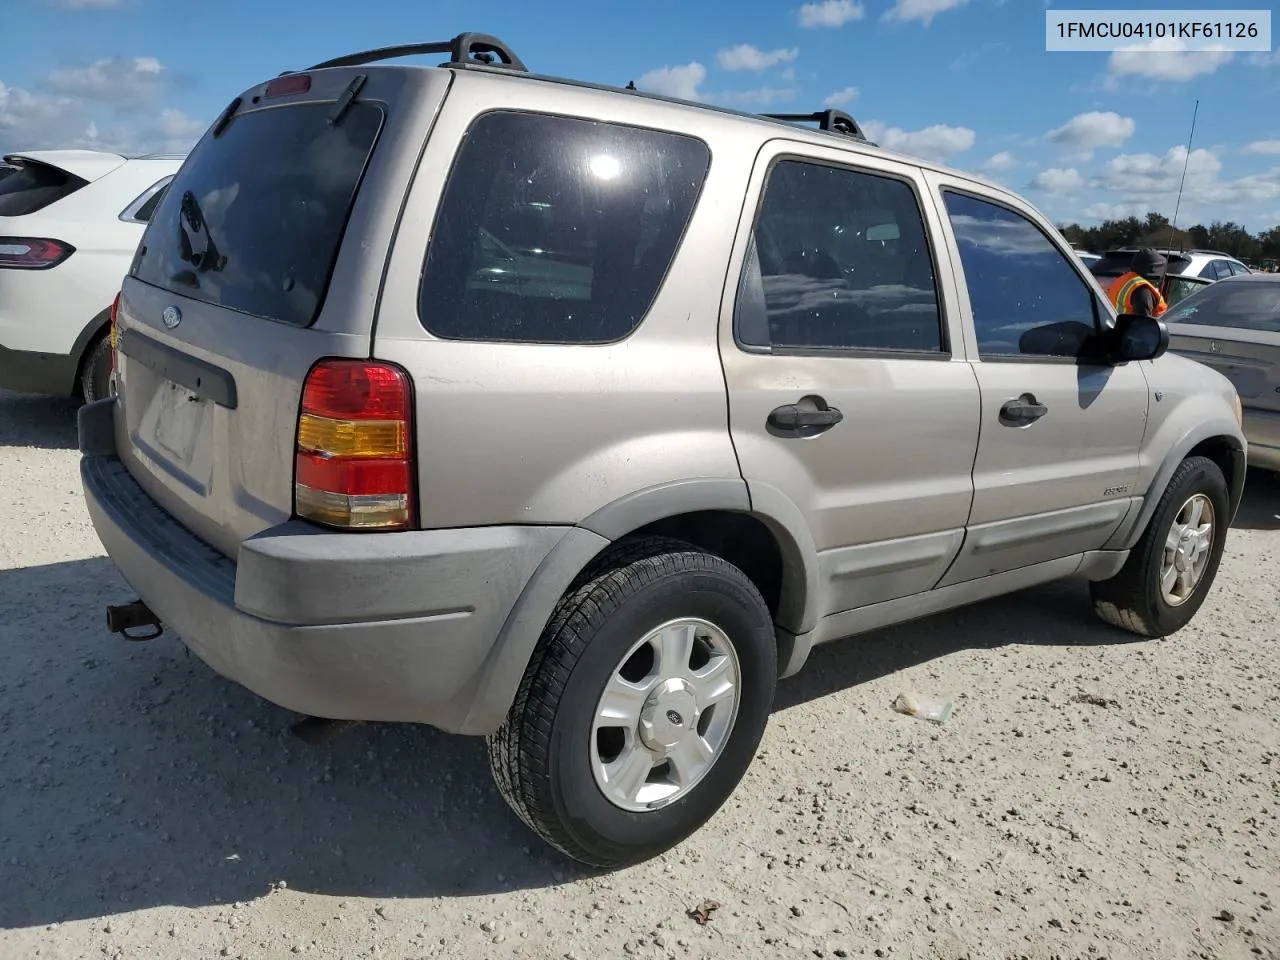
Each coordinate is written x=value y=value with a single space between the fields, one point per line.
x=631 y=85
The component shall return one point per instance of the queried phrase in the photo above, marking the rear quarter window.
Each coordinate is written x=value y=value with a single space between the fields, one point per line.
x=30 y=187
x=557 y=230
x=254 y=220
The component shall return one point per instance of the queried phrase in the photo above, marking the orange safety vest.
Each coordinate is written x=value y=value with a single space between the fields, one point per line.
x=1123 y=289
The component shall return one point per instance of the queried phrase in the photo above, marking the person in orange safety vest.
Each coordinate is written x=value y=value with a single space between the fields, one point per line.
x=1138 y=291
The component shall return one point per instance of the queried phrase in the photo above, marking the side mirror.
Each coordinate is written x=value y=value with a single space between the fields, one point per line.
x=1138 y=337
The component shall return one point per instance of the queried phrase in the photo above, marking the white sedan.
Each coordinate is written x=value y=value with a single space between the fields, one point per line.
x=70 y=221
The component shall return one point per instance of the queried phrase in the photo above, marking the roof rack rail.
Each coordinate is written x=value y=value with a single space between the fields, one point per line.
x=1212 y=253
x=832 y=121
x=465 y=50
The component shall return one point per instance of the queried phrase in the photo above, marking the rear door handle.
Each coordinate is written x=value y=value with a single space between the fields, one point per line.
x=1026 y=409
x=807 y=418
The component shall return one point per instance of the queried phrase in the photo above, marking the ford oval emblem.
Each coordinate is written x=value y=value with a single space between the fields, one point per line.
x=171 y=317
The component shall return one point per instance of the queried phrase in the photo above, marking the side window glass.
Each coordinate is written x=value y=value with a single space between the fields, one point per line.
x=144 y=212
x=557 y=229
x=144 y=206
x=838 y=259
x=1027 y=299
x=1210 y=271
x=1179 y=288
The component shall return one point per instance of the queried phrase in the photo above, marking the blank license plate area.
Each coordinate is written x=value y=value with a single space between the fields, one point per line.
x=175 y=430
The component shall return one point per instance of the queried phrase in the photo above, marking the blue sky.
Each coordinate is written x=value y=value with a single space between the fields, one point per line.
x=966 y=82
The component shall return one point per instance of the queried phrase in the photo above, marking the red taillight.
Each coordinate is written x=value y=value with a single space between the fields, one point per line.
x=288 y=84
x=354 y=462
x=356 y=390
x=32 y=253
x=115 y=332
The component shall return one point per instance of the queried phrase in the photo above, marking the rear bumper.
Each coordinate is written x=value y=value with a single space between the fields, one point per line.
x=1262 y=430
x=388 y=626
x=51 y=374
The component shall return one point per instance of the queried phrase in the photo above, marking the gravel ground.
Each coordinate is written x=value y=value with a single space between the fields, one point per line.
x=150 y=809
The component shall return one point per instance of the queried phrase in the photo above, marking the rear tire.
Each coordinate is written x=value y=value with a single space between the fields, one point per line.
x=95 y=370
x=615 y=786
x=1170 y=570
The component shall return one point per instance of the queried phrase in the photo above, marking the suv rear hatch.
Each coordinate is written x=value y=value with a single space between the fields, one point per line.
x=265 y=255
x=1233 y=326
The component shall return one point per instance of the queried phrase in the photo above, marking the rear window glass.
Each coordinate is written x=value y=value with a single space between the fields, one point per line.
x=557 y=230
x=30 y=187
x=1118 y=264
x=1246 y=304
x=254 y=220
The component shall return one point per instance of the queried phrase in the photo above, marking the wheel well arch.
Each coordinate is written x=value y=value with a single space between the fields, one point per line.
x=761 y=550
x=765 y=548
x=1226 y=454
x=95 y=328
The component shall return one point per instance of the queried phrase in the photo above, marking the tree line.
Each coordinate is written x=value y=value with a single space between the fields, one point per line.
x=1154 y=231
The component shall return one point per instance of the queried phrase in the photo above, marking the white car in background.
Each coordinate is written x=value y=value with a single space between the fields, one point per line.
x=70 y=222
x=1087 y=258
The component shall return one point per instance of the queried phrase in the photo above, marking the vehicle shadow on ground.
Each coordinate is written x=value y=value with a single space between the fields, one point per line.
x=134 y=777
x=1054 y=614
x=28 y=420
x=1260 y=508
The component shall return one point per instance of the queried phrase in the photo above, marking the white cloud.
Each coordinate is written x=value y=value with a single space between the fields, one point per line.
x=1116 y=211
x=1148 y=174
x=1058 y=180
x=119 y=81
x=831 y=13
x=1165 y=60
x=1264 y=59
x=1001 y=162
x=680 y=82
x=922 y=10
x=1139 y=182
x=1264 y=147
x=685 y=83
x=746 y=57
x=45 y=119
x=841 y=98
x=33 y=119
x=937 y=143
x=175 y=132
x=1086 y=132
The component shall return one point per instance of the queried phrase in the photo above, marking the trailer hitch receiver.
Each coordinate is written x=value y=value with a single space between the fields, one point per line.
x=126 y=619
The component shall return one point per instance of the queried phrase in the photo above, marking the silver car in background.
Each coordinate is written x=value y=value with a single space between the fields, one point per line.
x=1233 y=326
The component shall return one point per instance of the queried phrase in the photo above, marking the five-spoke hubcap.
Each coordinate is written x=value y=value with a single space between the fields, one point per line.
x=665 y=715
x=1187 y=549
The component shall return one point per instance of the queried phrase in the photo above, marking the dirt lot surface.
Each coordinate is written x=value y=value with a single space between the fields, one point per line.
x=150 y=809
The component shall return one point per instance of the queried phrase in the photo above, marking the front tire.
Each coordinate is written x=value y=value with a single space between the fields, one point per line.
x=643 y=705
x=1170 y=570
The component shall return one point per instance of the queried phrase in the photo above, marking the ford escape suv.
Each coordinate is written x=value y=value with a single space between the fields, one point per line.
x=575 y=418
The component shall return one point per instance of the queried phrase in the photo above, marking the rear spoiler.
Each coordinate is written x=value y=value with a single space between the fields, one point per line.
x=87 y=165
